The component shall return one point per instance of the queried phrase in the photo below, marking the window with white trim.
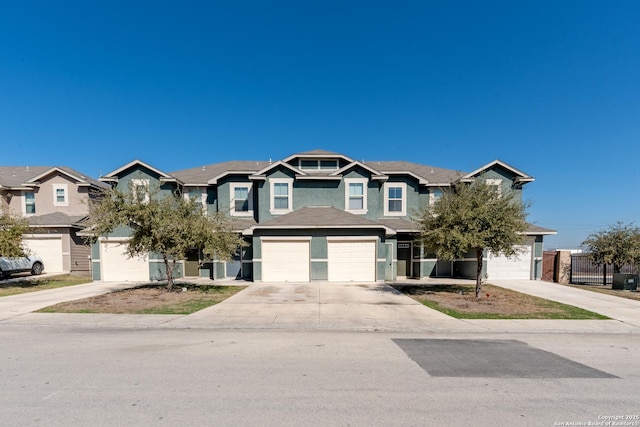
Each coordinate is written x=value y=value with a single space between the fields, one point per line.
x=496 y=185
x=281 y=195
x=140 y=189
x=241 y=199
x=29 y=207
x=199 y=194
x=356 y=195
x=434 y=194
x=395 y=199
x=60 y=195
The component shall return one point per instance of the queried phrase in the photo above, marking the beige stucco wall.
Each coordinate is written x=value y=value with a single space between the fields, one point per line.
x=44 y=196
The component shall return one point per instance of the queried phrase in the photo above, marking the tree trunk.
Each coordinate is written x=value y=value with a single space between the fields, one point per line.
x=479 y=253
x=169 y=271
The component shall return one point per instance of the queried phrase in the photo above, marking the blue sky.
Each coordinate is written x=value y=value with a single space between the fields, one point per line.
x=550 y=87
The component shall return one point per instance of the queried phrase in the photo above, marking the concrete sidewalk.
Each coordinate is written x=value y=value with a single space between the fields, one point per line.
x=17 y=305
x=327 y=306
x=622 y=309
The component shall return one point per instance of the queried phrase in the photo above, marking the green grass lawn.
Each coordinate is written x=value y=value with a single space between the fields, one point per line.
x=150 y=299
x=33 y=284
x=459 y=301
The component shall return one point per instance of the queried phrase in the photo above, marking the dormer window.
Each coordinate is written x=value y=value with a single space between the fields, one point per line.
x=318 y=165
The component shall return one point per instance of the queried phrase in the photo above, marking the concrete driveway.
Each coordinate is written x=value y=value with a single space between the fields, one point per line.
x=341 y=306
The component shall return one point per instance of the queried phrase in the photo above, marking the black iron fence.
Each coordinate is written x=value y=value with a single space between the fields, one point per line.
x=584 y=272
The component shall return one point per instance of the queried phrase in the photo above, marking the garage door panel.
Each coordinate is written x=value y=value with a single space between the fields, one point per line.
x=518 y=267
x=285 y=261
x=352 y=261
x=50 y=250
x=116 y=266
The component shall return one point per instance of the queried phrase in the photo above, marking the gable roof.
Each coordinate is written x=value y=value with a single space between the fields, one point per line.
x=114 y=175
x=22 y=177
x=520 y=176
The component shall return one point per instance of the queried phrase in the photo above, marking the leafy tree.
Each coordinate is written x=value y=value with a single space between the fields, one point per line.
x=618 y=244
x=169 y=225
x=473 y=217
x=11 y=230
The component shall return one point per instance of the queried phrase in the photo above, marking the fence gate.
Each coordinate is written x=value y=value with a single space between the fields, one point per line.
x=549 y=261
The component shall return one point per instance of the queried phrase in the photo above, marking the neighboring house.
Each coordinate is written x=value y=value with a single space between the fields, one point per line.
x=317 y=215
x=54 y=201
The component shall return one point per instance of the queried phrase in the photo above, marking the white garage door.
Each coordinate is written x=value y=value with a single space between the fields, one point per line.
x=501 y=267
x=50 y=250
x=285 y=260
x=116 y=266
x=352 y=260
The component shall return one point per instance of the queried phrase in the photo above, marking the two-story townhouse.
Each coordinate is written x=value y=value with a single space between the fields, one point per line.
x=54 y=200
x=321 y=216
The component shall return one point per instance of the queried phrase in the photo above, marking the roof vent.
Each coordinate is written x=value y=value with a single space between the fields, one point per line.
x=431 y=170
x=203 y=167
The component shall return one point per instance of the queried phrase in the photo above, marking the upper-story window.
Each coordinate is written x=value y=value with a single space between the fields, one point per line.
x=434 y=194
x=496 y=185
x=318 y=165
x=29 y=203
x=356 y=195
x=60 y=195
x=395 y=199
x=140 y=189
x=241 y=202
x=200 y=196
x=281 y=195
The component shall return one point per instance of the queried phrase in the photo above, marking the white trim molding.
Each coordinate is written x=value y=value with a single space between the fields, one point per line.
x=272 y=196
x=403 y=186
x=65 y=194
x=364 y=182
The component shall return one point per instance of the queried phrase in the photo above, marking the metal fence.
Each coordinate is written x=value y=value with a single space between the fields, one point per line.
x=584 y=272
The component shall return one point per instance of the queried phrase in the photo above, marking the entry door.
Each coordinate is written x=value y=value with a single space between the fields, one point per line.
x=404 y=259
x=192 y=263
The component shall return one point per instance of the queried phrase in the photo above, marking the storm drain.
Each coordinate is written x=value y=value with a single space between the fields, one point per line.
x=491 y=359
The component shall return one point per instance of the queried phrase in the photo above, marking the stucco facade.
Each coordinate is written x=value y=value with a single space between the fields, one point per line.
x=319 y=213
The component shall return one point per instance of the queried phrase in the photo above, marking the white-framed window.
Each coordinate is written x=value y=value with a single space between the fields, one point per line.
x=60 y=195
x=434 y=194
x=200 y=194
x=29 y=205
x=355 y=197
x=395 y=199
x=318 y=165
x=140 y=189
x=281 y=195
x=496 y=184
x=241 y=199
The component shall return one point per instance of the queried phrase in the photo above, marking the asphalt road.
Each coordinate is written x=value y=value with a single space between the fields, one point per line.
x=77 y=376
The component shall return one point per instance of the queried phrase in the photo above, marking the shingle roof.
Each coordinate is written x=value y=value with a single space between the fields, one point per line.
x=429 y=173
x=58 y=219
x=320 y=217
x=16 y=176
x=534 y=229
x=201 y=175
